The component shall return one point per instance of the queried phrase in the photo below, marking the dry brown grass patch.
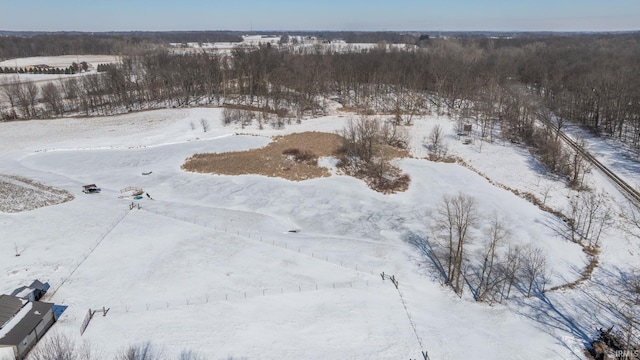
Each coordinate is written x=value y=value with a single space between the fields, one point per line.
x=356 y=110
x=279 y=112
x=278 y=159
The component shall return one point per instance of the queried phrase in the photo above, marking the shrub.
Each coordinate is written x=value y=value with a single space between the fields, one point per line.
x=306 y=157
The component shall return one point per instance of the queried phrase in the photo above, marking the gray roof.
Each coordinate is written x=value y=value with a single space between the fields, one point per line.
x=29 y=322
x=37 y=284
x=9 y=306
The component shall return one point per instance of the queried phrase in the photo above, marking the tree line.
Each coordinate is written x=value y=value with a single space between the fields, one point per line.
x=59 y=346
x=39 y=70
x=28 y=44
x=496 y=83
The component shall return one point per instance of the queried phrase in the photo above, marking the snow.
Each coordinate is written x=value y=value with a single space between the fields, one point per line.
x=6 y=353
x=619 y=159
x=62 y=61
x=209 y=265
x=59 y=61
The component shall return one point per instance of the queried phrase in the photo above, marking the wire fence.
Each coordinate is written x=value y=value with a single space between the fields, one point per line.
x=218 y=297
x=88 y=253
x=279 y=243
x=394 y=281
x=215 y=298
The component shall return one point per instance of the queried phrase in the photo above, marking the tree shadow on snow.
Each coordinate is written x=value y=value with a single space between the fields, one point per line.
x=426 y=253
x=581 y=312
x=544 y=311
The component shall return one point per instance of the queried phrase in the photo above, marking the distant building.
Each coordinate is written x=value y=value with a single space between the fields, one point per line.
x=22 y=325
x=39 y=67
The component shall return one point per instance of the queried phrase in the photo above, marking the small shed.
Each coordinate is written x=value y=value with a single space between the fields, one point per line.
x=22 y=324
x=90 y=189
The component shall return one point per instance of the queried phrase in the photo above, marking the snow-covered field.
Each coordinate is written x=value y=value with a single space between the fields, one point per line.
x=61 y=61
x=295 y=42
x=211 y=265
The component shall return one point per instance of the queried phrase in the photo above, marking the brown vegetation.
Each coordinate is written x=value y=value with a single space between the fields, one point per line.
x=295 y=157
x=292 y=157
x=368 y=146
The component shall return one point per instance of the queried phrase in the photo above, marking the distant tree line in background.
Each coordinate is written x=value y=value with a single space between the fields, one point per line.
x=38 y=70
x=28 y=44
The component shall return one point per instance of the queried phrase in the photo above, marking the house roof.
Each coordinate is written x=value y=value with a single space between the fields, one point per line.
x=22 y=291
x=37 y=284
x=28 y=322
x=9 y=306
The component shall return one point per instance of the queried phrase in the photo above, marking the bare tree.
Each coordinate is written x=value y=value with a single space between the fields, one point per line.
x=190 y=355
x=631 y=216
x=589 y=216
x=394 y=135
x=579 y=166
x=143 y=351
x=58 y=346
x=510 y=270
x=534 y=269
x=52 y=99
x=455 y=217
x=205 y=124
x=27 y=96
x=489 y=277
x=552 y=153
x=10 y=89
x=71 y=91
x=361 y=139
x=227 y=116
x=437 y=145
x=624 y=305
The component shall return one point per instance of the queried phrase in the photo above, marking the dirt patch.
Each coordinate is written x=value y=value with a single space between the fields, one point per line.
x=292 y=157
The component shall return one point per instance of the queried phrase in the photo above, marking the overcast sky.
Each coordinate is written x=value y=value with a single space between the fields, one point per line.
x=370 y=15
